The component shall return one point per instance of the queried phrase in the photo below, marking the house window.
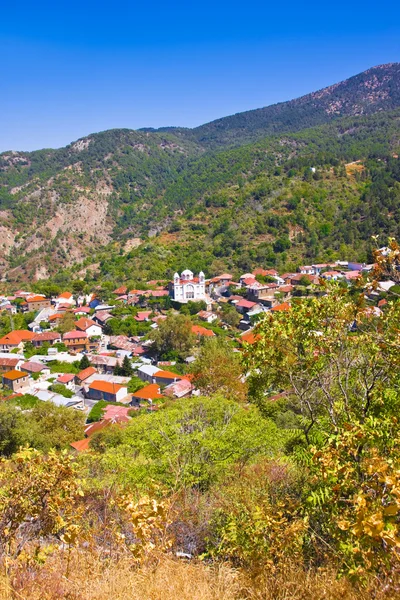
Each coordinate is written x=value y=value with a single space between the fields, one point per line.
x=189 y=292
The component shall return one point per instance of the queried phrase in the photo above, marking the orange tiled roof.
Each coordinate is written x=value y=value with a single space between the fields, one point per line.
x=167 y=375
x=149 y=392
x=81 y=445
x=14 y=375
x=281 y=307
x=199 y=330
x=84 y=323
x=86 y=373
x=105 y=386
x=17 y=336
x=65 y=295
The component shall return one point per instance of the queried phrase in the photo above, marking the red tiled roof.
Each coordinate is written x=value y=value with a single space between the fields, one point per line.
x=81 y=309
x=85 y=373
x=65 y=378
x=115 y=413
x=121 y=290
x=33 y=367
x=14 y=375
x=65 y=295
x=143 y=315
x=382 y=302
x=246 y=304
x=46 y=336
x=74 y=335
x=199 y=330
x=9 y=362
x=81 y=445
x=105 y=386
x=84 y=323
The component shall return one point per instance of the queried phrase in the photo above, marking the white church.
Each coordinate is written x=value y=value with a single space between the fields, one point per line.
x=186 y=287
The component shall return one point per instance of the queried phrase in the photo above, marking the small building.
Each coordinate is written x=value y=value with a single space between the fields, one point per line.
x=76 y=340
x=202 y=331
x=147 y=372
x=207 y=316
x=46 y=337
x=15 y=380
x=179 y=389
x=35 y=303
x=34 y=368
x=65 y=298
x=90 y=327
x=84 y=375
x=8 y=364
x=67 y=379
x=149 y=393
x=15 y=340
x=104 y=390
x=307 y=270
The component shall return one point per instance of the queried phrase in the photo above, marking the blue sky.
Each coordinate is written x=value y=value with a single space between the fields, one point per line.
x=68 y=69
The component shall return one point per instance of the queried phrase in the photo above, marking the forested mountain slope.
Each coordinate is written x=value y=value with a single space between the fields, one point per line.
x=373 y=90
x=284 y=198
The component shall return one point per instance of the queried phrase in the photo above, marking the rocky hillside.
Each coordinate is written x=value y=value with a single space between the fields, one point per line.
x=121 y=187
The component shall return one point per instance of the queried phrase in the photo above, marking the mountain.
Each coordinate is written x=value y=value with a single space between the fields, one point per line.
x=274 y=185
x=373 y=90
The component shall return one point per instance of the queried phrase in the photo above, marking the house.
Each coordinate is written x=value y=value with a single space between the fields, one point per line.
x=179 y=389
x=143 y=316
x=207 y=316
x=102 y=317
x=285 y=306
x=186 y=287
x=153 y=374
x=102 y=363
x=104 y=390
x=55 y=319
x=307 y=270
x=76 y=340
x=15 y=340
x=34 y=368
x=149 y=392
x=331 y=275
x=90 y=327
x=81 y=310
x=15 y=380
x=166 y=377
x=83 y=375
x=299 y=278
x=243 y=306
x=121 y=291
x=46 y=337
x=67 y=379
x=147 y=372
x=8 y=364
x=65 y=298
x=247 y=277
x=202 y=331
x=35 y=303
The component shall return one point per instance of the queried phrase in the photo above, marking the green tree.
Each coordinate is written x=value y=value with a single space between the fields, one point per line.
x=174 y=335
x=84 y=362
x=218 y=369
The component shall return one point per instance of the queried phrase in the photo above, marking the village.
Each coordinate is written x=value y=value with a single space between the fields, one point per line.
x=74 y=355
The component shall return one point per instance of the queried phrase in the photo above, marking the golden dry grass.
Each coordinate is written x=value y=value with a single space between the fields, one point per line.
x=90 y=578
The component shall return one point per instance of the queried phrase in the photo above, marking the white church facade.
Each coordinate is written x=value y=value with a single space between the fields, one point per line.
x=185 y=287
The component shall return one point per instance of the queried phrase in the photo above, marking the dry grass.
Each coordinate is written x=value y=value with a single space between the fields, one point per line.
x=90 y=578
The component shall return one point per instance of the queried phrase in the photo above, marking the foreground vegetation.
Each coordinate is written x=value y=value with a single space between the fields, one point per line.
x=288 y=486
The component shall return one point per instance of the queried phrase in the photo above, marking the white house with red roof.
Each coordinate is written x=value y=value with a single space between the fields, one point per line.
x=65 y=298
x=185 y=287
